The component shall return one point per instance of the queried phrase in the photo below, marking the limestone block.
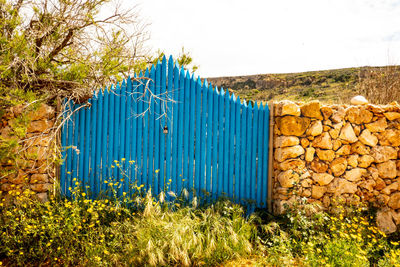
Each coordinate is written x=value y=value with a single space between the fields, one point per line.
x=380 y=184
x=304 y=142
x=287 y=107
x=315 y=128
x=358 y=115
x=312 y=110
x=326 y=112
x=43 y=112
x=284 y=153
x=360 y=148
x=390 y=188
x=347 y=134
x=40 y=126
x=390 y=137
x=369 y=185
x=338 y=166
x=336 y=144
x=365 y=161
x=41 y=187
x=355 y=174
x=288 y=178
x=344 y=150
x=387 y=169
x=334 y=133
x=358 y=100
x=367 y=138
x=394 y=201
x=377 y=126
x=285 y=141
x=319 y=166
x=310 y=151
x=292 y=164
x=290 y=125
x=392 y=115
x=384 y=221
x=338 y=115
x=322 y=178
x=318 y=191
x=323 y=141
x=327 y=155
x=383 y=153
x=345 y=187
x=352 y=160
x=39 y=178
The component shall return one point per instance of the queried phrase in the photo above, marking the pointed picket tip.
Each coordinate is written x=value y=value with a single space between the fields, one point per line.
x=198 y=81
x=146 y=73
x=222 y=91
x=129 y=82
x=123 y=83
x=238 y=99
x=216 y=90
x=233 y=97
x=182 y=70
x=187 y=74
x=152 y=70
x=244 y=103
x=164 y=59
x=140 y=73
x=170 y=59
x=227 y=95
x=266 y=107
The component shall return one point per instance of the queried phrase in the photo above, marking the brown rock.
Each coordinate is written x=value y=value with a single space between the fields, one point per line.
x=338 y=166
x=369 y=185
x=41 y=187
x=383 y=153
x=317 y=191
x=396 y=217
x=326 y=112
x=304 y=142
x=365 y=161
x=312 y=110
x=360 y=148
x=394 y=201
x=306 y=193
x=20 y=178
x=367 y=138
x=336 y=144
x=315 y=128
x=338 y=115
x=345 y=187
x=377 y=126
x=358 y=115
x=387 y=169
x=319 y=166
x=306 y=183
x=42 y=197
x=347 y=134
x=288 y=178
x=392 y=115
x=390 y=137
x=287 y=107
x=384 y=221
x=285 y=141
x=352 y=161
x=380 y=184
x=334 y=133
x=284 y=153
x=323 y=141
x=390 y=188
x=327 y=155
x=376 y=109
x=293 y=164
x=39 y=126
x=355 y=175
x=290 y=125
x=344 y=150
x=43 y=112
x=322 y=178
x=39 y=178
x=310 y=151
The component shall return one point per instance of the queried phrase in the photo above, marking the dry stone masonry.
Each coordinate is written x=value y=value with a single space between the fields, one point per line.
x=28 y=167
x=327 y=152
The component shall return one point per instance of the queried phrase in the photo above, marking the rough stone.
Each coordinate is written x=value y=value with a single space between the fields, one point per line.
x=336 y=130
x=326 y=112
x=318 y=191
x=287 y=107
x=319 y=166
x=383 y=153
x=43 y=112
x=288 y=178
x=42 y=197
x=327 y=155
x=338 y=115
x=390 y=188
x=312 y=110
x=394 y=201
x=347 y=134
x=290 y=125
x=344 y=150
x=306 y=183
x=377 y=126
x=282 y=154
x=310 y=151
x=367 y=138
x=360 y=148
x=355 y=174
x=338 y=166
x=322 y=178
x=396 y=217
x=358 y=100
x=20 y=178
x=368 y=184
x=315 y=128
x=392 y=115
x=352 y=160
x=41 y=187
x=384 y=221
x=323 y=141
x=358 y=116
x=387 y=169
x=365 y=161
x=336 y=144
x=292 y=164
x=39 y=126
x=304 y=142
x=39 y=178
x=345 y=187
x=380 y=184
x=390 y=137
x=285 y=141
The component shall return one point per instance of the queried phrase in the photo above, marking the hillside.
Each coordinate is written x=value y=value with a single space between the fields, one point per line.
x=329 y=86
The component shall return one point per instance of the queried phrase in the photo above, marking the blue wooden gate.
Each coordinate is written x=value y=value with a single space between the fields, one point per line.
x=166 y=130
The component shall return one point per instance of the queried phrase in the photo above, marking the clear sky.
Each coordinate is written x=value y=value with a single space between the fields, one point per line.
x=238 y=37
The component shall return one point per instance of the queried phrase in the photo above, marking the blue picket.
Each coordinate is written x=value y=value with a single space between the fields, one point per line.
x=265 y=156
x=105 y=140
x=226 y=142
x=221 y=142
x=151 y=127
x=122 y=156
x=163 y=113
x=128 y=139
x=157 y=127
x=180 y=128
x=238 y=150
x=98 y=113
x=249 y=190
x=175 y=133
x=186 y=118
x=192 y=120
x=231 y=165
x=197 y=168
x=117 y=131
x=169 y=118
x=111 y=136
x=92 y=124
x=254 y=152
x=134 y=133
x=209 y=137
x=243 y=153
x=204 y=100
x=139 y=140
x=81 y=144
x=146 y=148
x=214 y=175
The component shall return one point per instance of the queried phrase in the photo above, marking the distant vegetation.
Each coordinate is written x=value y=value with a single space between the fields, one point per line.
x=331 y=86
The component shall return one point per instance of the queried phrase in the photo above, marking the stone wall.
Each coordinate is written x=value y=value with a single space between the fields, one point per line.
x=327 y=152
x=28 y=168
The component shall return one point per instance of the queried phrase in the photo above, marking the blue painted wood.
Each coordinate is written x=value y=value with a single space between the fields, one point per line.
x=105 y=141
x=226 y=142
x=175 y=133
x=122 y=156
x=254 y=152
x=128 y=139
x=238 y=150
x=186 y=117
x=64 y=133
x=209 y=137
x=180 y=128
x=99 y=132
x=134 y=133
x=243 y=162
x=221 y=142
x=231 y=165
x=93 y=137
x=214 y=175
x=169 y=120
x=111 y=136
x=151 y=127
x=117 y=131
x=265 y=156
x=203 y=133
x=76 y=146
x=249 y=189
x=81 y=145
x=192 y=122
x=157 y=130
x=260 y=148
x=146 y=148
x=86 y=147
x=162 y=121
x=197 y=157
x=139 y=137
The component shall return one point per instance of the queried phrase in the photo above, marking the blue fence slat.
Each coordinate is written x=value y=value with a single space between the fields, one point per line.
x=151 y=127
x=128 y=139
x=243 y=153
x=86 y=147
x=203 y=134
x=93 y=137
x=134 y=134
x=214 y=175
x=75 y=167
x=254 y=153
x=122 y=156
x=162 y=123
x=221 y=142
x=249 y=189
x=64 y=133
x=180 y=128
x=265 y=156
x=97 y=169
x=146 y=148
x=192 y=121
x=186 y=117
x=197 y=156
x=81 y=145
x=175 y=133
x=105 y=140
x=169 y=105
x=209 y=137
x=139 y=137
x=157 y=127
x=231 y=165
x=238 y=149
x=226 y=142
x=260 y=148
x=111 y=136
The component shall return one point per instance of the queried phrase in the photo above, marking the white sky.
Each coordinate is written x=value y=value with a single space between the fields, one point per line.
x=237 y=37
